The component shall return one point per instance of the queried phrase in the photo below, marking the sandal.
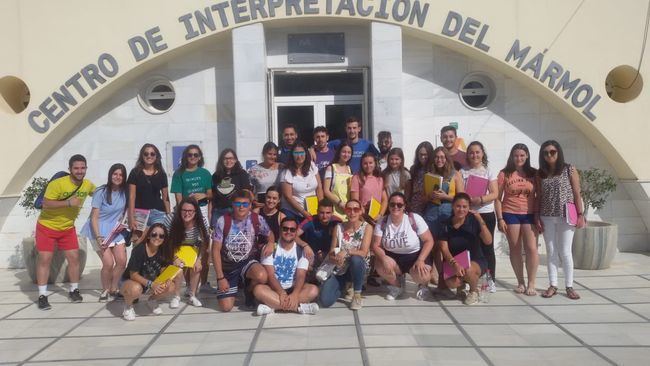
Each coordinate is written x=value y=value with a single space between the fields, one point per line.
x=550 y=292
x=572 y=294
x=520 y=289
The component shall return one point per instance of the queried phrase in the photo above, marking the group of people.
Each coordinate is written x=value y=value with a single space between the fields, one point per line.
x=256 y=229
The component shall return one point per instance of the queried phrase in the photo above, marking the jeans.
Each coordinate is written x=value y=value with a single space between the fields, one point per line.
x=558 y=236
x=333 y=287
x=435 y=216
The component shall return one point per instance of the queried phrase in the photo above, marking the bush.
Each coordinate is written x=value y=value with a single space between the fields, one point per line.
x=30 y=193
x=595 y=187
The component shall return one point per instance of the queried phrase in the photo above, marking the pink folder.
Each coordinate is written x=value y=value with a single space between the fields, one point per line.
x=461 y=258
x=571 y=214
x=476 y=186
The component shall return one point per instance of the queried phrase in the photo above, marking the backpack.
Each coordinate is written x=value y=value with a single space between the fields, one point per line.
x=38 y=202
x=414 y=226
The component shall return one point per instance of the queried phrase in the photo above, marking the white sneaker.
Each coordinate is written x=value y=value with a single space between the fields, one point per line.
x=492 y=287
x=263 y=309
x=155 y=308
x=421 y=293
x=310 y=308
x=393 y=292
x=175 y=302
x=129 y=313
x=472 y=298
x=194 y=301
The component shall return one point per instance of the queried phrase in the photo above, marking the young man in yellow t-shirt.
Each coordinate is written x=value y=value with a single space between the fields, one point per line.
x=62 y=202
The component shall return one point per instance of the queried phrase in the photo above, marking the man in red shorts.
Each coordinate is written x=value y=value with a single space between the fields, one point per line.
x=55 y=227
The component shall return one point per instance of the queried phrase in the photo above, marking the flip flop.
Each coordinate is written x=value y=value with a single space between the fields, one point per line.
x=550 y=292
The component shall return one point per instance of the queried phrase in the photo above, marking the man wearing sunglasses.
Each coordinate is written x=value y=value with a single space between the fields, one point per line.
x=235 y=252
x=286 y=269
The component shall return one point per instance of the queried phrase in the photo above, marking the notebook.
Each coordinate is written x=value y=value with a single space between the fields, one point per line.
x=432 y=182
x=375 y=208
x=167 y=274
x=187 y=254
x=311 y=205
x=476 y=186
x=571 y=213
x=461 y=258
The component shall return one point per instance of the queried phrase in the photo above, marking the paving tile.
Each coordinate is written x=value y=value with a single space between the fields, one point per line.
x=339 y=357
x=402 y=315
x=586 y=298
x=629 y=295
x=114 y=309
x=215 y=321
x=36 y=327
x=519 y=335
x=626 y=356
x=18 y=297
x=201 y=343
x=589 y=314
x=105 y=362
x=643 y=309
x=424 y=356
x=413 y=335
x=329 y=316
x=115 y=326
x=16 y=350
x=378 y=298
x=62 y=310
x=95 y=347
x=613 y=282
x=496 y=314
x=8 y=309
x=631 y=334
x=193 y=360
x=543 y=356
x=307 y=338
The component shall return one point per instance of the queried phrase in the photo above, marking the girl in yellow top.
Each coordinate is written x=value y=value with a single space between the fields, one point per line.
x=337 y=179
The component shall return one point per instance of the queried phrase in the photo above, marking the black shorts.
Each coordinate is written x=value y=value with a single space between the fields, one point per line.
x=235 y=277
x=405 y=261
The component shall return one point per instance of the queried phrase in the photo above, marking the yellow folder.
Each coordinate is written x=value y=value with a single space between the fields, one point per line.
x=167 y=274
x=311 y=205
x=375 y=208
x=432 y=182
x=187 y=254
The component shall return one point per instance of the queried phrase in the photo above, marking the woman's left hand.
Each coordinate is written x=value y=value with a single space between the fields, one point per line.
x=582 y=222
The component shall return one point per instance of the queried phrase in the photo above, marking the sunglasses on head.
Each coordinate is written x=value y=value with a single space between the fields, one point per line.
x=286 y=229
x=550 y=152
x=241 y=204
x=157 y=236
x=353 y=209
x=396 y=205
x=149 y=154
x=193 y=155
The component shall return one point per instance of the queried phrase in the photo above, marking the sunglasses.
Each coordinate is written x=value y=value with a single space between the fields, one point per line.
x=188 y=211
x=286 y=229
x=396 y=205
x=149 y=154
x=299 y=153
x=550 y=152
x=193 y=155
x=353 y=209
x=156 y=236
x=241 y=204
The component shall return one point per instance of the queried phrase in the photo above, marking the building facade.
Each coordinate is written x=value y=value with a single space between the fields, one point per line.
x=103 y=79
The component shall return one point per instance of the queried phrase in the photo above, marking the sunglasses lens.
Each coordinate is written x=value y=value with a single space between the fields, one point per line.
x=289 y=229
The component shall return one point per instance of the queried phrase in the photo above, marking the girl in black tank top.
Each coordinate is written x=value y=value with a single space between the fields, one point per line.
x=270 y=211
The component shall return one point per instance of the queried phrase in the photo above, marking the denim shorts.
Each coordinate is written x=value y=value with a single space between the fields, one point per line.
x=518 y=219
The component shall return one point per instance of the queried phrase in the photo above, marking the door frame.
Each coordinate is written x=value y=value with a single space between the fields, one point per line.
x=318 y=101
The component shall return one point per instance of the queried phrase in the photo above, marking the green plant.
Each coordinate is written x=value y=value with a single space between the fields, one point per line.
x=595 y=186
x=30 y=193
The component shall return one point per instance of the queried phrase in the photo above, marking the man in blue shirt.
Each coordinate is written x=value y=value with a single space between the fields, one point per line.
x=359 y=146
x=289 y=139
x=317 y=232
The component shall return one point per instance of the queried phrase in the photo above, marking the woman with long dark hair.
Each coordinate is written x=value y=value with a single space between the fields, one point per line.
x=438 y=208
x=148 y=187
x=299 y=181
x=336 y=186
x=229 y=177
x=147 y=261
x=421 y=165
x=558 y=183
x=483 y=202
x=515 y=208
x=266 y=173
x=108 y=208
x=186 y=228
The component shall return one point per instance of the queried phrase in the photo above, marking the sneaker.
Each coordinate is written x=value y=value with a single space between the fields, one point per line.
x=310 y=308
x=393 y=292
x=118 y=296
x=75 y=296
x=349 y=292
x=43 y=304
x=422 y=291
x=155 y=308
x=492 y=286
x=194 y=301
x=357 y=302
x=129 y=313
x=207 y=288
x=103 y=297
x=263 y=309
x=461 y=294
x=472 y=298
x=175 y=302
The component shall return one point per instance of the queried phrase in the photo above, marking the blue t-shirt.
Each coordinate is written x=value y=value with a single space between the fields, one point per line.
x=284 y=155
x=361 y=147
x=109 y=214
x=317 y=235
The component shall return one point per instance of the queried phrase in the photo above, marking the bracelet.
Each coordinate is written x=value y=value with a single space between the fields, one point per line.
x=452 y=261
x=221 y=278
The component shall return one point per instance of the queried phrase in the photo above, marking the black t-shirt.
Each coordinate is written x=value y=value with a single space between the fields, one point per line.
x=147 y=267
x=273 y=222
x=317 y=235
x=148 y=189
x=466 y=237
x=224 y=188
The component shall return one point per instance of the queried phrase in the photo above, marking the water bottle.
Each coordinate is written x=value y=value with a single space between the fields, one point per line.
x=484 y=291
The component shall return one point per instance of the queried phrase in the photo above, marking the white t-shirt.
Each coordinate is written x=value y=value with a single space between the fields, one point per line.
x=303 y=187
x=286 y=263
x=482 y=172
x=401 y=239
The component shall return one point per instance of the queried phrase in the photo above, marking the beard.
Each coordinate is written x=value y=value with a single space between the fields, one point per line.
x=384 y=150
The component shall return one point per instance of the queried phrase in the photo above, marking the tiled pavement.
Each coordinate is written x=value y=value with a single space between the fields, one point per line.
x=609 y=325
